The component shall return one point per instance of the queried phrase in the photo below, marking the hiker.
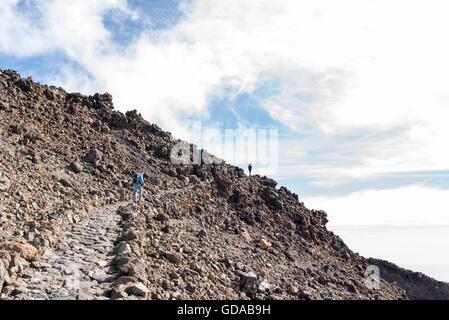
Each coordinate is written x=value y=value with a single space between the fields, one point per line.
x=250 y=167
x=137 y=183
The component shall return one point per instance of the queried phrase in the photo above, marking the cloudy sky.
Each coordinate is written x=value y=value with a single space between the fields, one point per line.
x=357 y=89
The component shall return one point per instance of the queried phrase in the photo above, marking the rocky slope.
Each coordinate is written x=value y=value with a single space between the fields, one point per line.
x=203 y=231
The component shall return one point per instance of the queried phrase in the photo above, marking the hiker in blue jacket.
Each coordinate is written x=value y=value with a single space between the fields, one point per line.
x=138 y=184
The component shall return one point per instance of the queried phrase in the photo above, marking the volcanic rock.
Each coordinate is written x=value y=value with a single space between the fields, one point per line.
x=66 y=163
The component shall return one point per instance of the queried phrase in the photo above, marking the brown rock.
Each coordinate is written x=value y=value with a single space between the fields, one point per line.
x=118 y=293
x=37 y=120
x=173 y=258
x=293 y=290
x=264 y=244
x=249 y=281
x=76 y=167
x=94 y=156
x=122 y=248
x=125 y=280
x=28 y=251
x=162 y=217
x=131 y=234
x=4 y=183
x=245 y=235
x=137 y=289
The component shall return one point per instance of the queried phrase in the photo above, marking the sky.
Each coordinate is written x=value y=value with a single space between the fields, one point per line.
x=356 y=89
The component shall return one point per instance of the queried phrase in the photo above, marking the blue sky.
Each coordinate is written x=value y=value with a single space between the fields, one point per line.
x=358 y=113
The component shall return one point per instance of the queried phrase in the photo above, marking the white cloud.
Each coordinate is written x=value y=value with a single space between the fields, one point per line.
x=364 y=66
x=412 y=205
x=74 y=27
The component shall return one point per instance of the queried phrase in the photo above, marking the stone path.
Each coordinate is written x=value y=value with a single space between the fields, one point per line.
x=80 y=267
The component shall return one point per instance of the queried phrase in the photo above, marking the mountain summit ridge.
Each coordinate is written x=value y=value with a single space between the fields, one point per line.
x=204 y=231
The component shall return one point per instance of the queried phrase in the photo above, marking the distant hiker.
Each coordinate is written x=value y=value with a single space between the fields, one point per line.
x=137 y=183
x=250 y=167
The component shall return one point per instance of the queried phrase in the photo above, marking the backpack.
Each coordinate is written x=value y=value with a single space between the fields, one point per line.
x=140 y=179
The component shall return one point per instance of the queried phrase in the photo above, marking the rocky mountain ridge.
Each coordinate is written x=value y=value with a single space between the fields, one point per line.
x=204 y=231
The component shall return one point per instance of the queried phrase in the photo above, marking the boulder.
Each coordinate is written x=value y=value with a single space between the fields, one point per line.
x=305 y=293
x=202 y=234
x=163 y=217
x=293 y=290
x=264 y=244
x=103 y=101
x=76 y=167
x=118 y=292
x=122 y=248
x=173 y=258
x=65 y=182
x=94 y=156
x=27 y=251
x=133 y=267
x=4 y=183
x=131 y=234
x=246 y=236
x=137 y=289
x=125 y=280
x=249 y=281
x=190 y=288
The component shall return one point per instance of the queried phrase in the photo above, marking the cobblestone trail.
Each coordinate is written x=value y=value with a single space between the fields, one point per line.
x=80 y=267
